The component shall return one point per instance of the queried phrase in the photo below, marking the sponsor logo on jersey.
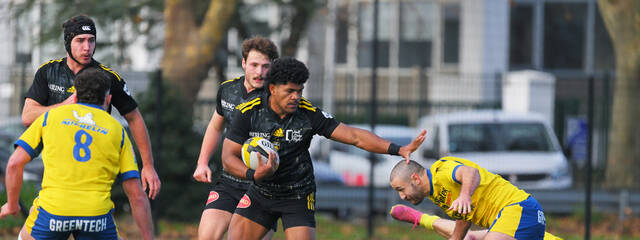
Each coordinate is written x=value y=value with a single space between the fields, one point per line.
x=541 y=218
x=327 y=115
x=441 y=198
x=245 y=202
x=86 y=225
x=126 y=89
x=293 y=135
x=278 y=133
x=87 y=118
x=56 y=88
x=227 y=105
x=213 y=196
x=260 y=134
x=90 y=127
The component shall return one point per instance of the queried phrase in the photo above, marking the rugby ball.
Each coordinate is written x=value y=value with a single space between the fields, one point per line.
x=254 y=146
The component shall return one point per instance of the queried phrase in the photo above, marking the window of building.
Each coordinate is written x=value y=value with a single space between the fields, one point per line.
x=417 y=21
x=451 y=40
x=521 y=36
x=365 y=34
x=342 y=34
x=564 y=35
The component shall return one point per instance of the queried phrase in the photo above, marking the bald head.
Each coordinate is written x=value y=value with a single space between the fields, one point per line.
x=404 y=170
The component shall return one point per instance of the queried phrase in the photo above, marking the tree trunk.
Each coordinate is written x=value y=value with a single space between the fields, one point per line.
x=622 y=19
x=304 y=11
x=189 y=49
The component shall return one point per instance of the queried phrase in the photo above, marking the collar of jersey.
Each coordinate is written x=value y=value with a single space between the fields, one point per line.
x=430 y=182
x=91 y=105
x=64 y=62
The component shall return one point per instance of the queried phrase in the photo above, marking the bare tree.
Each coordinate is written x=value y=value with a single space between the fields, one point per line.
x=622 y=19
x=188 y=48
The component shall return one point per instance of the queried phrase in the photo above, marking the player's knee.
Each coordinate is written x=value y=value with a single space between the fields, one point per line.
x=24 y=235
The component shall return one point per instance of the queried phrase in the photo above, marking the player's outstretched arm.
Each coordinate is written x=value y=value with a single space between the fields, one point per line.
x=373 y=143
x=405 y=151
x=148 y=173
x=209 y=144
x=13 y=181
x=140 y=208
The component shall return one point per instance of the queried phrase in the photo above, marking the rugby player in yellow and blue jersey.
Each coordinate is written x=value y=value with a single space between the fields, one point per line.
x=53 y=86
x=84 y=150
x=469 y=194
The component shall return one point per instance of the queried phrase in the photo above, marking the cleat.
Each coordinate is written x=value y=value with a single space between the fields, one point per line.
x=406 y=214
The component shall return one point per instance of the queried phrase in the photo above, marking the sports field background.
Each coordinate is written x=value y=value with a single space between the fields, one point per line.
x=568 y=227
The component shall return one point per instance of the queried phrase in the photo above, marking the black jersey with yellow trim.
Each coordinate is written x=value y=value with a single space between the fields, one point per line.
x=232 y=94
x=291 y=135
x=53 y=83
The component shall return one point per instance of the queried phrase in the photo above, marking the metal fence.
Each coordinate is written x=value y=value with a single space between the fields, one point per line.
x=350 y=201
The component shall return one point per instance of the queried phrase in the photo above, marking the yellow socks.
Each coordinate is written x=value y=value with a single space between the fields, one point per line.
x=427 y=220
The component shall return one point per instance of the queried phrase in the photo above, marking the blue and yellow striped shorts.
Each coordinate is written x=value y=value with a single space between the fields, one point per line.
x=523 y=220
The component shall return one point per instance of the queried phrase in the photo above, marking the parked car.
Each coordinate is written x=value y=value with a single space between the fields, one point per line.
x=522 y=148
x=353 y=164
x=325 y=175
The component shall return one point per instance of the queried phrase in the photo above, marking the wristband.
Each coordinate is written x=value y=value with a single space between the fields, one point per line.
x=249 y=174
x=393 y=149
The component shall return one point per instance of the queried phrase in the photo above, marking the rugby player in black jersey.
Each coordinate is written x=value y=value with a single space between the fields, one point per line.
x=289 y=121
x=53 y=86
x=257 y=54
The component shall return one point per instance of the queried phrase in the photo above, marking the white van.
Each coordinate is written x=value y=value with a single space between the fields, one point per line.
x=522 y=148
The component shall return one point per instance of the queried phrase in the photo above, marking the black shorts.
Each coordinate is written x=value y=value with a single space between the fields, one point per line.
x=224 y=196
x=264 y=211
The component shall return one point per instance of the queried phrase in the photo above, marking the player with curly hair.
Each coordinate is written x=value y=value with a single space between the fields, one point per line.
x=289 y=121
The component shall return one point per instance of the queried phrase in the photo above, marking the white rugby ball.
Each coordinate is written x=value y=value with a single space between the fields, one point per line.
x=254 y=146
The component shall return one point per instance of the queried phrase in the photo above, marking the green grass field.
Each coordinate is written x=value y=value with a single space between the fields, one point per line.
x=568 y=227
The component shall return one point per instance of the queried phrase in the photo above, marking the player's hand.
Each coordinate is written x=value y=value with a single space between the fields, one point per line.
x=265 y=170
x=405 y=151
x=9 y=209
x=202 y=173
x=462 y=204
x=71 y=99
x=150 y=178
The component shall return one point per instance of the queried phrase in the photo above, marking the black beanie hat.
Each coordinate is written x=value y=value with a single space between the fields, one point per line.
x=75 y=26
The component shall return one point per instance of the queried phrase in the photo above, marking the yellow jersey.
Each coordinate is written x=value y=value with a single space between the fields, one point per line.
x=492 y=194
x=83 y=150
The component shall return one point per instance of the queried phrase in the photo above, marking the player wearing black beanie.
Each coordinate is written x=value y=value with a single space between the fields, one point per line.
x=75 y=26
x=53 y=86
